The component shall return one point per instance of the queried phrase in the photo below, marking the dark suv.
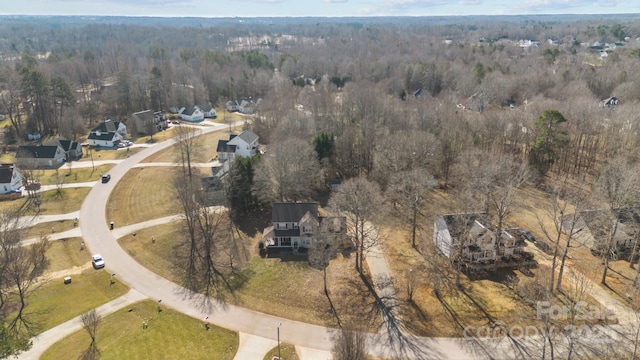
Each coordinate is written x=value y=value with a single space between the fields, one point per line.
x=106 y=178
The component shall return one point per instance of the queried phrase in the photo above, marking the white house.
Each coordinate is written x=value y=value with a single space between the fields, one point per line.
x=465 y=237
x=40 y=157
x=107 y=134
x=244 y=106
x=191 y=113
x=197 y=113
x=10 y=178
x=245 y=144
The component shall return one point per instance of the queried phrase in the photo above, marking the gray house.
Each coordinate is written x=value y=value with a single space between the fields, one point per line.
x=40 y=157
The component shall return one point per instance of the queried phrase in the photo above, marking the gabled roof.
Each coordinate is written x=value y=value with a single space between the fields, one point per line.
x=107 y=126
x=102 y=136
x=144 y=116
x=38 y=152
x=205 y=107
x=293 y=212
x=189 y=110
x=65 y=144
x=247 y=136
x=6 y=173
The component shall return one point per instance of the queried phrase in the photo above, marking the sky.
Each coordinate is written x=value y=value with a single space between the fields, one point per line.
x=323 y=8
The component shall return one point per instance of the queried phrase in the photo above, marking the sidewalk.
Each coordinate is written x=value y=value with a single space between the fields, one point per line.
x=43 y=341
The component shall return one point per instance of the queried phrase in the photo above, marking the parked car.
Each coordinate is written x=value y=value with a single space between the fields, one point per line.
x=97 y=261
x=106 y=178
x=543 y=246
x=175 y=122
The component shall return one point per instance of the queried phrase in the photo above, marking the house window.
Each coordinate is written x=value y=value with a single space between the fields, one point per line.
x=285 y=241
x=295 y=225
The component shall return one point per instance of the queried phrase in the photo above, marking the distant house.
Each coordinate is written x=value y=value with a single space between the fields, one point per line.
x=147 y=121
x=245 y=144
x=40 y=157
x=244 y=106
x=10 y=178
x=610 y=102
x=72 y=149
x=466 y=237
x=592 y=228
x=295 y=225
x=197 y=113
x=107 y=134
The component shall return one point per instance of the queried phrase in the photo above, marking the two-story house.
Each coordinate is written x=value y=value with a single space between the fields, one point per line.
x=245 y=144
x=466 y=237
x=296 y=225
x=107 y=134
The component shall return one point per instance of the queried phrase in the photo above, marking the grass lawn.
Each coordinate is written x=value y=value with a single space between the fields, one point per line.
x=54 y=302
x=169 y=335
x=107 y=154
x=48 y=177
x=287 y=352
x=282 y=286
x=45 y=228
x=156 y=256
x=142 y=194
x=51 y=202
x=206 y=152
x=66 y=254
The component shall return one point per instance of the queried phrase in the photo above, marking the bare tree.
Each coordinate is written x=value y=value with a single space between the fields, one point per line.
x=19 y=269
x=289 y=172
x=617 y=184
x=190 y=145
x=206 y=253
x=360 y=201
x=408 y=192
x=349 y=345
x=90 y=322
x=566 y=204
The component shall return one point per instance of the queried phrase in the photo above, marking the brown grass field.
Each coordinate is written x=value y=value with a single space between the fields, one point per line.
x=142 y=194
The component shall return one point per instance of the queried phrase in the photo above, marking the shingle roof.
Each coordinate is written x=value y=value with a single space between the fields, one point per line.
x=293 y=212
x=144 y=116
x=65 y=144
x=102 y=136
x=6 y=173
x=248 y=136
x=106 y=126
x=38 y=152
x=205 y=107
x=189 y=110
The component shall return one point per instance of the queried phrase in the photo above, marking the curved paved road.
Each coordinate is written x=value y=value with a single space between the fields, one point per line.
x=99 y=239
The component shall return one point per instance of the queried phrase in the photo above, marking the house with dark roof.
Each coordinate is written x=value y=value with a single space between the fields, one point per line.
x=244 y=144
x=610 y=102
x=197 y=113
x=147 y=120
x=40 y=156
x=107 y=134
x=72 y=149
x=10 y=178
x=295 y=225
x=592 y=228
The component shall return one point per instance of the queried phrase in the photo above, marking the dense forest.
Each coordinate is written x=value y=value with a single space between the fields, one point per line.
x=449 y=85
